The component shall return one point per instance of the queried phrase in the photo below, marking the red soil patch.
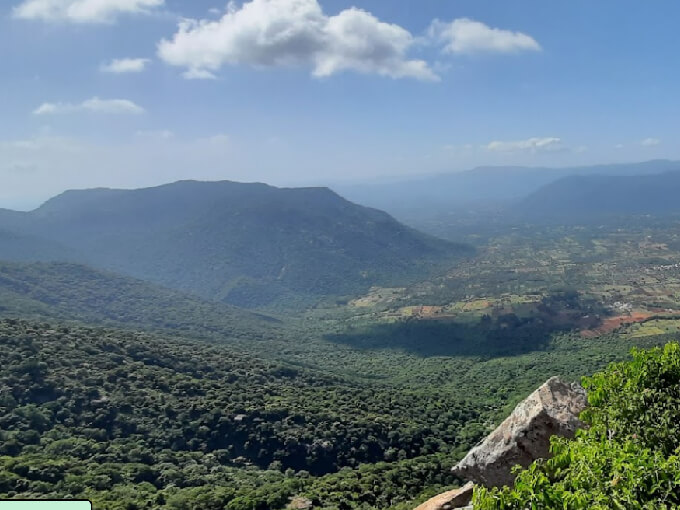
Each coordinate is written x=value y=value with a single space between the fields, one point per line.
x=610 y=324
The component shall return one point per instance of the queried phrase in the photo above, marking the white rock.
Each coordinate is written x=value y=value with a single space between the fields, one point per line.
x=552 y=409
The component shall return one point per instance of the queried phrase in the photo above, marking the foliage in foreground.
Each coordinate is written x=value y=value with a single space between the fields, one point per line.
x=629 y=457
x=135 y=420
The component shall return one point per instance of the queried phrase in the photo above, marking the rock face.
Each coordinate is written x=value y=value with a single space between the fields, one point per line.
x=450 y=500
x=552 y=409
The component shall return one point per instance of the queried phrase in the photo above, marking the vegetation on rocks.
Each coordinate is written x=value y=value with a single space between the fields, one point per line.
x=628 y=457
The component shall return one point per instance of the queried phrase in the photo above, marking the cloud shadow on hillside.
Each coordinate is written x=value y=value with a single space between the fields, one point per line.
x=505 y=336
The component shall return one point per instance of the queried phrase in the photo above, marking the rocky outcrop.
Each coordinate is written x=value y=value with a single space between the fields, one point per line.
x=300 y=503
x=458 y=498
x=552 y=409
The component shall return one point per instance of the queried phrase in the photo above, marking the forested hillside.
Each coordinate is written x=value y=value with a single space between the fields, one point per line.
x=65 y=291
x=245 y=244
x=129 y=416
x=17 y=246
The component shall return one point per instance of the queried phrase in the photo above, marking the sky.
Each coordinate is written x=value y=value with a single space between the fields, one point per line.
x=134 y=93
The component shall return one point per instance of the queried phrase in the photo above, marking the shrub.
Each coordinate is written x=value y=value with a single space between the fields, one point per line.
x=628 y=457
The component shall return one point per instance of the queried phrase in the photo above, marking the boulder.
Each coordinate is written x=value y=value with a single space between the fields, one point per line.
x=458 y=498
x=300 y=503
x=553 y=409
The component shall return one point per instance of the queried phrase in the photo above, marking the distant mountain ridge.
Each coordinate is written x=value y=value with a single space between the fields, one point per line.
x=448 y=192
x=597 y=197
x=245 y=244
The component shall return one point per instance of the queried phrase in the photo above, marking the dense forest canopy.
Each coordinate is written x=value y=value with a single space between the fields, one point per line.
x=131 y=419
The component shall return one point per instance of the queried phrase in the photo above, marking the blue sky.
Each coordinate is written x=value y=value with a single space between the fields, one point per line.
x=131 y=93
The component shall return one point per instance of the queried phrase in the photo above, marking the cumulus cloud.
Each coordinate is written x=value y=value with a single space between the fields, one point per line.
x=82 y=11
x=467 y=36
x=650 y=142
x=547 y=144
x=94 y=105
x=268 y=33
x=125 y=65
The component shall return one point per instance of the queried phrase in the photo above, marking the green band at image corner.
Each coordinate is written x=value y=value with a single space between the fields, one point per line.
x=45 y=505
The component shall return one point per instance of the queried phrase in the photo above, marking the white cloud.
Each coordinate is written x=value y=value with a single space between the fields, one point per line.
x=650 y=142
x=82 y=11
x=359 y=41
x=94 y=105
x=267 y=33
x=125 y=65
x=466 y=36
x=547 y=144
x=619 y=146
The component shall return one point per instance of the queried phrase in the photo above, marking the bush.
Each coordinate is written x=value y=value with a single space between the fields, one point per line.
x=628 y=457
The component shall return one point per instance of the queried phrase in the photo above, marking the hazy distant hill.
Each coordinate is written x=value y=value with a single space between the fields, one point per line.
x=579 y=198
x=443 y=193
x=247 y=244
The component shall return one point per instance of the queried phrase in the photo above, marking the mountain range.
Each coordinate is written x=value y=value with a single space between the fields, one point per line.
x=412 y=199
x=579 y=198
x=245 y=244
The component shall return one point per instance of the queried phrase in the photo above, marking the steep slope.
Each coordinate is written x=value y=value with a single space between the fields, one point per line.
x=594 y=198
x=65 y=291
x=246 y=244
x=431 y=195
